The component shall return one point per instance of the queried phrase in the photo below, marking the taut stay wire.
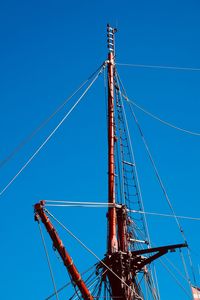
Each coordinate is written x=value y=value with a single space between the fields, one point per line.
x=52 y=133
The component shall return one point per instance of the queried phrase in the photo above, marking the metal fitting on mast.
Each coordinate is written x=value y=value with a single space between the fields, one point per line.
x=111 y=38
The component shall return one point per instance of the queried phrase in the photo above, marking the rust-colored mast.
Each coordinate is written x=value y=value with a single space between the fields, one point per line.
x=58 y=244
x=112 y=219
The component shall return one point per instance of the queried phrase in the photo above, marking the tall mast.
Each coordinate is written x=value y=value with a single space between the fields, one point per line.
x=112 y=218
x=125 y=266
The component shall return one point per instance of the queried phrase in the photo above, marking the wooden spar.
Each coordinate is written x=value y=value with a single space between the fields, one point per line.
x=112 y=218
x=58 y=244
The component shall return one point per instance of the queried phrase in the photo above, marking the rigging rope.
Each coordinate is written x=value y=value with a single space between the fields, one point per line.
x=133 y=157
x=136 y=172
x=166 y=215
x=158 y=176
x=159 y=119
x=146 y=229
x=79 y=202
x=175 y=268
x=156 y=281
x=156 y=170
x=45 y=122
x=67 y=284
x=163 y=187
x=52 y=133
x=185 y=269
x=174 y=277
x=91 y=252
x=159 y=67
x=48 y=261
x=52 y=203
x=97 y=278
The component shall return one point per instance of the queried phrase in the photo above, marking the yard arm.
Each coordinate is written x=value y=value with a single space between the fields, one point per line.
x=58 y=245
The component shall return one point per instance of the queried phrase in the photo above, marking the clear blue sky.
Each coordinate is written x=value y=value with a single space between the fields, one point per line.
x=47 y=49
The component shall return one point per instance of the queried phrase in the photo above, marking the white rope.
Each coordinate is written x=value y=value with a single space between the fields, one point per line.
x=91 y=252
x=175 y=268
x=61 y=203
x=78 y=205
x=45 y=122
x=51 y=134
x=162 y=186
x=105 y=204
x=156 y=281
x=68 y=284
x=78 y=202
x=157 y=173
x=186 y=270
x=175 y=278
x=159 y=119
x=48 y=261
x=97 y=278
x=160 y=67
x=165 y=215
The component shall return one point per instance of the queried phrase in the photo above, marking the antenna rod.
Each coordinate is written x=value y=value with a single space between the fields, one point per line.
x=112 y=218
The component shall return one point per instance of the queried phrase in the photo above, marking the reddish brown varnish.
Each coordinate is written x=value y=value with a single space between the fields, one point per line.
x=58 y=244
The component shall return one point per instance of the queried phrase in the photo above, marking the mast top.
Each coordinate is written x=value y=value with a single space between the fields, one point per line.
x=111 y=38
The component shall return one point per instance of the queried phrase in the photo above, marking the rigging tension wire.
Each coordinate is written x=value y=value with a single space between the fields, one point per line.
x=68 y=284
x=166 y=215
x=54 y=203
x=159 y=119
x=175 y=268
x=174 y=277
x=186 y=271
x=152 y=161
x=159 y=178
x=45 y=122
x=133 y=157
x=155 y=168
x=94 y=281
x=176 y=68
x=52 y=133
x=48 y=261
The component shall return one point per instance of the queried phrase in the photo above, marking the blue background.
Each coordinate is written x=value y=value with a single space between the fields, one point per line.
x=47 y=49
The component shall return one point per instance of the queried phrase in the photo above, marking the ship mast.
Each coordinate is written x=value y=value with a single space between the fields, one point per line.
x=112 y=217
x=117 y=238
x=124 y=261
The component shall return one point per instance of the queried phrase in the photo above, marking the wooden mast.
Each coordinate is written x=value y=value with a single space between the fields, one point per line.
x=112 y=217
